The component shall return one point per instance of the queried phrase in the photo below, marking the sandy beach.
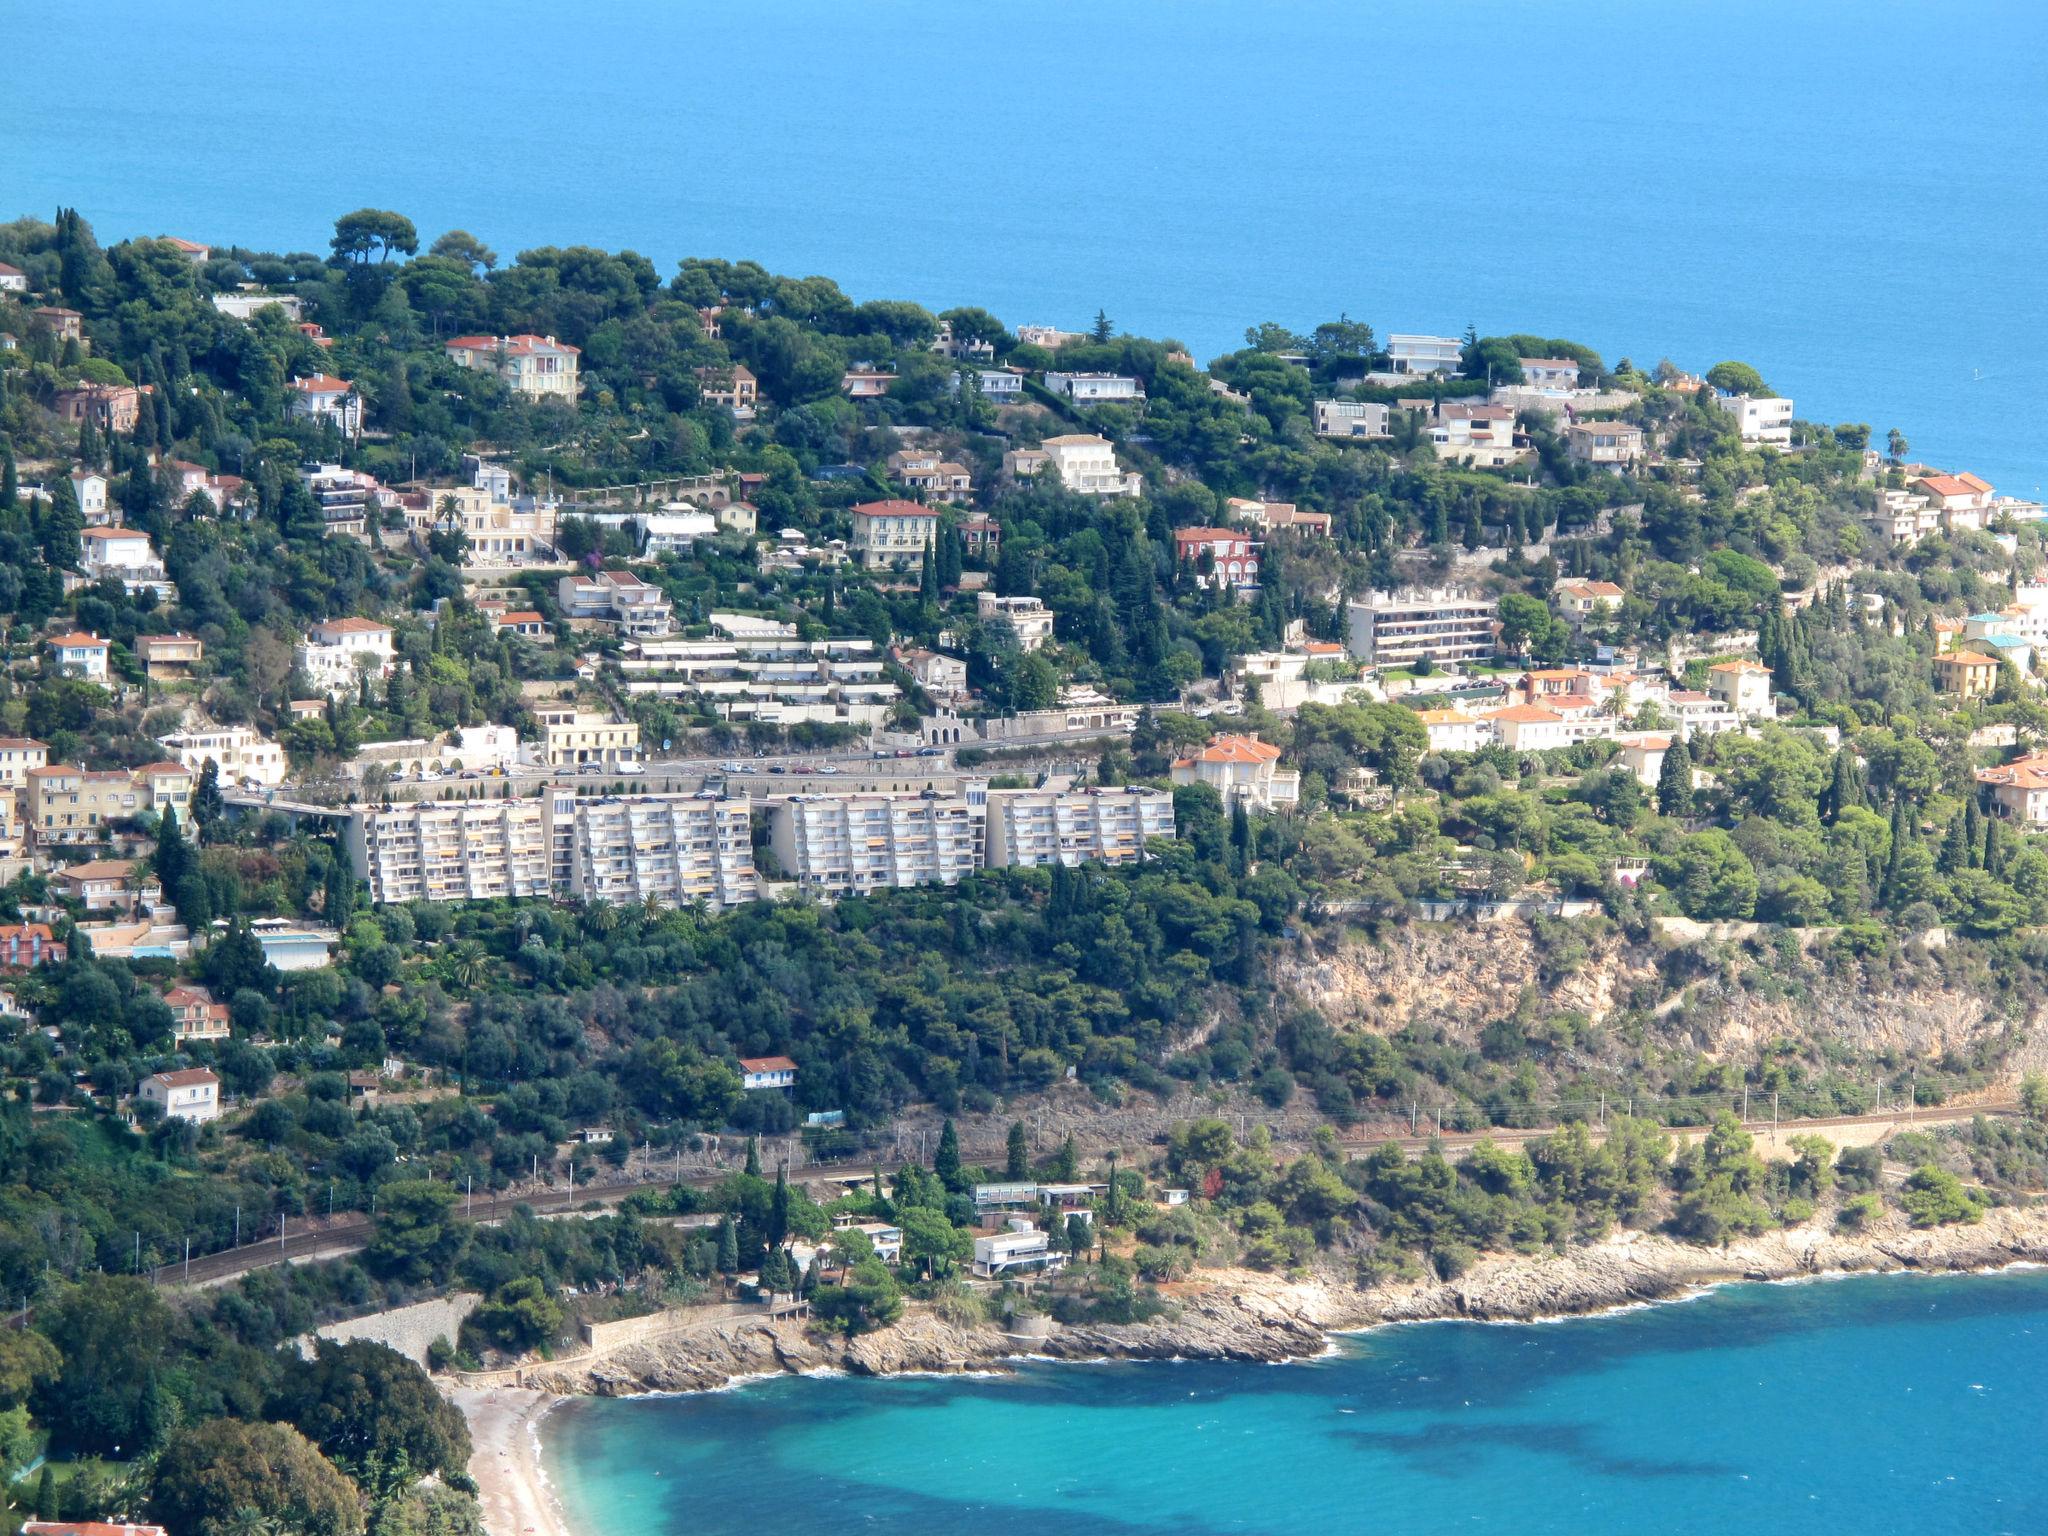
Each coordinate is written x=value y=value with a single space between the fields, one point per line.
x=506 y=1460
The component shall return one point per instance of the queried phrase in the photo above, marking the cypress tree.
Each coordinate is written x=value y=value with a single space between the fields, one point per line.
x=1973 y=834
x=778 y=1209
x=1956 y=848
x=946 y=1161
x=1017 y=1165
x=1240 y=836
x=1674 y=780
x=207 y=802
x=10 y=478
x=753 y=1158
x=728 y=1247
x=340 y=902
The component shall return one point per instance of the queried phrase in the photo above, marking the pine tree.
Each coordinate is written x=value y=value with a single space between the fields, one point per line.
x=946 y=1161
x=1018 y=1154
x=1674 y=780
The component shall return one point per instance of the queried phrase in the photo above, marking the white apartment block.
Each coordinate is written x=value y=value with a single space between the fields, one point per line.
x=1352 y=418
x=326 y=398
x=842 y=845
x=1085 y=464
x=240 y=755
x=247 y=303
x=499 y=531
x=1766 y=420
x=673 y=849
x=1397 y=629
x=538 y=367
x=1013 y=623
x=190 y=1093
x=1031 y=827
x=453 y=850
x=1425 y=354
x=778 y=679
x=336 y=652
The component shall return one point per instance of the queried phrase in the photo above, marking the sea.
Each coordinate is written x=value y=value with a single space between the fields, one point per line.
x=1846 y=193
x=1901 y=1405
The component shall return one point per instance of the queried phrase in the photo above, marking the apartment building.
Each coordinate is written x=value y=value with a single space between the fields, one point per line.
x=453 y=850
x=336 y=652
x=239 y=753
x=538 y=367
x=639 y=609
x=1032 y=827
x=75 y=805
x=189 y=1093
x=1603 y=442
x=169 y=658
x=349 y=499
x=841 y=845
x=892 y=532
x=1021 y=624
x=1352 y=418
x=1424 y=354
x=577 y=738
x=326 y=398
x=1096 y=388
x=1085 y=464
x=79 y=655
x=1243 y=768
x=778 y=679
x=1480 y=435
x=1398 y=629
x=673 y=849
x=1765 y=420
x=1233 y=559
x=18 y=755
x=498 y=529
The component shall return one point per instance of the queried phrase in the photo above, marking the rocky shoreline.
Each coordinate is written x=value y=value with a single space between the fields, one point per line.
x=1253 y=1317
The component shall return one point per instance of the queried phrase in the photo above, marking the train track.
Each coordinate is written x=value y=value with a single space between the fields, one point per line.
x=351 y=1235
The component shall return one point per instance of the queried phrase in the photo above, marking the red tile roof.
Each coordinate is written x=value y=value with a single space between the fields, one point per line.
x=767 y=1064
x=322 y=384
x=893 y=508
x=1232 y=748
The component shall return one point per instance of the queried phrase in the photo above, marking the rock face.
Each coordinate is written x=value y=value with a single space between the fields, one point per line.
x=1241 y=1315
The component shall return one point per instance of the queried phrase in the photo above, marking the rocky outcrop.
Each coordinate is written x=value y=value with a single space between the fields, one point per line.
x=1246 y=1316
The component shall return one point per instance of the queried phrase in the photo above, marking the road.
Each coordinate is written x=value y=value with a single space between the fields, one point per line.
x=350 y=1235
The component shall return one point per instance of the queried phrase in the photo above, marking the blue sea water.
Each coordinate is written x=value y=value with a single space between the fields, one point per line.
x=1892 y=1405
x=1846 y=192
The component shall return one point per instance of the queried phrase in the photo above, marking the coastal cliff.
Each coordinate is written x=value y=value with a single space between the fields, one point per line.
x=1249 y=1316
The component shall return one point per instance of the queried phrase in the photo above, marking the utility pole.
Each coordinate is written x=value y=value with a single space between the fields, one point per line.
x=238 y=1223
x=188 y=1260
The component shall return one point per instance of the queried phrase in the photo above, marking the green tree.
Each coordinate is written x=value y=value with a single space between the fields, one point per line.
x=866 y=1298
x=208 y=804
x=946 y=1161
x=368 y=1407
x=415 y=1235
x=1017 y=1153
x=210 y=1474
x=520 y=1316
x=1934 y=1197
x=373 y=232
x=1674 y=780
x=1738 y=379
x=112 y=1332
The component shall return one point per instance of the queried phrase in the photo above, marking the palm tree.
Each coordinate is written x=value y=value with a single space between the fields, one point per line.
x=468 y=964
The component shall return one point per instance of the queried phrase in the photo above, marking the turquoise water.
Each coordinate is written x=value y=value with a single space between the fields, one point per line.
x=1846 y=192
x=1893 y=1405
